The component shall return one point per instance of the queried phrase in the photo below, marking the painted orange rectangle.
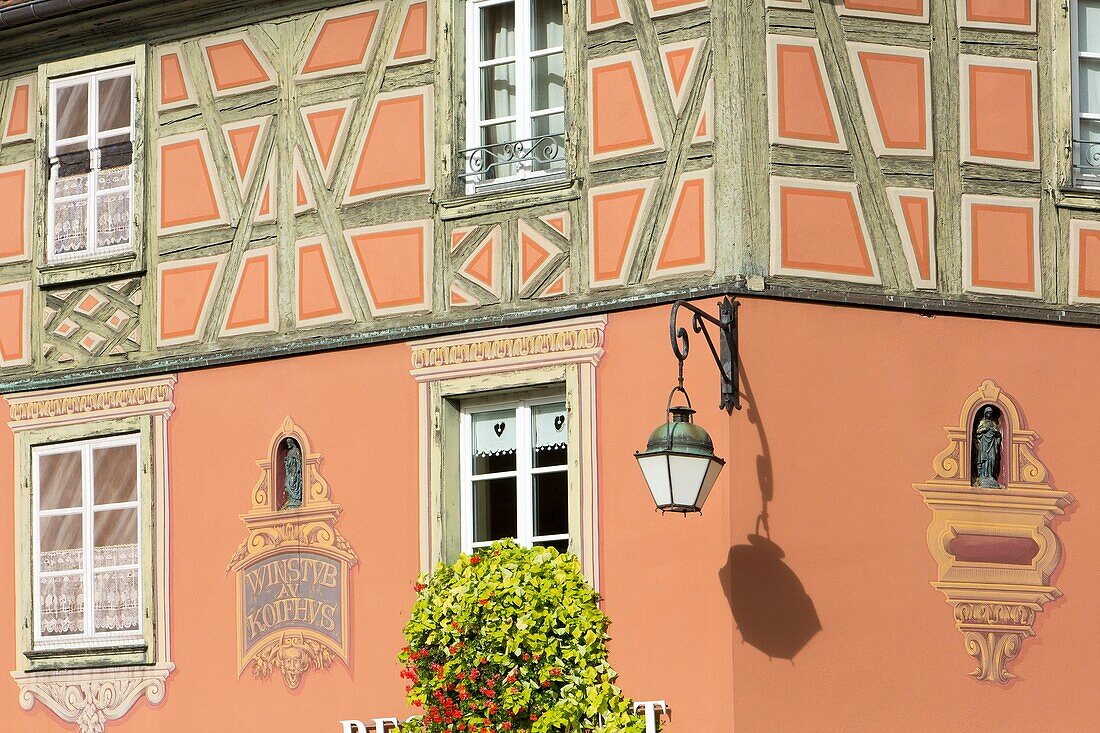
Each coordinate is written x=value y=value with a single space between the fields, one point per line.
x=1005 y=12
x=1003 y=247
x=1002 y=112
x=19 y=116
x=901 y=7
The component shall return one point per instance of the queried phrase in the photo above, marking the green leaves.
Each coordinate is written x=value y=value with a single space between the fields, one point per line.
x=511 y=639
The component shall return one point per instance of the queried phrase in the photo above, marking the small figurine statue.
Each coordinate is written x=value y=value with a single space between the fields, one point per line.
x=292 y=475
x=987 y=450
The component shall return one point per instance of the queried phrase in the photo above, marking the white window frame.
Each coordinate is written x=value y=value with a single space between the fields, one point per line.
x=90 y=639
x=524 y=114
x=524 y=472
x=92 y=80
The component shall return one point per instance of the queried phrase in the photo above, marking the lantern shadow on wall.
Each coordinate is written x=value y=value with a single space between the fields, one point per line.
x=770 y=606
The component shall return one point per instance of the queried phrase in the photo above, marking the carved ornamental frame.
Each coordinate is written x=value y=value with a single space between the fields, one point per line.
x=995 y=594
x=272 y=531
x=91 y=697
x=451 y=368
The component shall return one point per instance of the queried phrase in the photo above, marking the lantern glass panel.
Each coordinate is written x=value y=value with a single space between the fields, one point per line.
x=656 y=473
x=688 y=474
x=713 y=470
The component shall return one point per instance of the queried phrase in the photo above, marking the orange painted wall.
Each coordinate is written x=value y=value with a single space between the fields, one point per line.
x=845 y=412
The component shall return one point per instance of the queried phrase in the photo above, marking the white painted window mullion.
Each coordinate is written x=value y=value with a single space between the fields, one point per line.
x=523 y=73
x=466 y=501
x=94 y=160
x=86 y=472
x=524 y=488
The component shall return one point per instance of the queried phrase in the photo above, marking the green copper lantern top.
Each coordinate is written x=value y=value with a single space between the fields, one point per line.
x=681 y=435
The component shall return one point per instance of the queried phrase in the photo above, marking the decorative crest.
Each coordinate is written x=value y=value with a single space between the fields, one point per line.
x=990 y=533
x=292 y=570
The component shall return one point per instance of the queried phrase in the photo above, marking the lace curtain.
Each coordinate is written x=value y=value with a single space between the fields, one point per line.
x=116 y=602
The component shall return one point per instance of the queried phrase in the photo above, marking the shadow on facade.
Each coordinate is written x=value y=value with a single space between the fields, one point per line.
x=769 y=604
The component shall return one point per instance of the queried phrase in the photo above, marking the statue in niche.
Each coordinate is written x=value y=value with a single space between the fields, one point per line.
x=292 y=475
x=987 y=450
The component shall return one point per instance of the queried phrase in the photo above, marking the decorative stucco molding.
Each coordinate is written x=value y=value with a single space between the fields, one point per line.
x=33 y=410
x=291 y=619
x=994 y=547
x=91 y=698
x=564 y=353
x=563 y=342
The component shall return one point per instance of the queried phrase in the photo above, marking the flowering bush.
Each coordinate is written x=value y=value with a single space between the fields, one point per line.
x=511 y=639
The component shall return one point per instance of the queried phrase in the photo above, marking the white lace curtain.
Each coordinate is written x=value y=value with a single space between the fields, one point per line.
x=116 y=595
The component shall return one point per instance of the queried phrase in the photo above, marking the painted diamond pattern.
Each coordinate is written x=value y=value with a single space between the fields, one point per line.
x=96 y=323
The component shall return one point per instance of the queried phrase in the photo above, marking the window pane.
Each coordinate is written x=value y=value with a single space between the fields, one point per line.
x=59 y=481
x=71 y=115
x=494 y=442
x=117 y=600
x=70 y=226
x=62 y=600
x=114 y=103
x=71 y=186
x=550 y=435
x=1088 y=21
x=546 y=20
x=498 y=91
x=494 y=509
x=550 y=154
x=115 y=471
x=113 y=218
x=493 y=160
x=115 y=538
x=498 y=31
x=1089 y=92
x=547 y=82
x=551 y=503
x=60 y=542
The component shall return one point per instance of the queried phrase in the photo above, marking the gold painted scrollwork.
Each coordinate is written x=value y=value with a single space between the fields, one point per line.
x=292 y=655
x=276 y=532
x=993 y=650
x=995 y=596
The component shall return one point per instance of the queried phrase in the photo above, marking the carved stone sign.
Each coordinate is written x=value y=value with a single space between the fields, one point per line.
x=292 y=571
x=290 y=590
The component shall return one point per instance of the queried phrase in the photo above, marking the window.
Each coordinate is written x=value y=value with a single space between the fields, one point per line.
x=1086 y=93
x=515 y=89
x=87 y=540
x=91 y=136
x=515 y=473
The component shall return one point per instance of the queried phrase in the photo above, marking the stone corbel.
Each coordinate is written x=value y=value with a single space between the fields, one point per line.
x=91 y=698
x=994 y=547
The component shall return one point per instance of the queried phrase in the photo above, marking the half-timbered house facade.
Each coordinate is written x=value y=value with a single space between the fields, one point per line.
x=423 y=252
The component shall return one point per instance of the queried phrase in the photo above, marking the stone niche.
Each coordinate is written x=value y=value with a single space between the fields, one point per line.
x=994 y=547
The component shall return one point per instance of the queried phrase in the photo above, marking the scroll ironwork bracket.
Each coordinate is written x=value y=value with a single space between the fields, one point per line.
x=724 y=352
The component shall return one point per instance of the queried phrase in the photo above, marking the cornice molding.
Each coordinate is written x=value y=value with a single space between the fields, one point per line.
x=578 y=340
x=68 y=406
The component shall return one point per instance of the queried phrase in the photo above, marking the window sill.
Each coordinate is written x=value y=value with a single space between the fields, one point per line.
x=93 y=268
x=87 y=658
x=1079 y=197
x=89 y=698
x=514 y=195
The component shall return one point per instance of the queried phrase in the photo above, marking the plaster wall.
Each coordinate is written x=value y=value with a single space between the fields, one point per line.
x=844 y=412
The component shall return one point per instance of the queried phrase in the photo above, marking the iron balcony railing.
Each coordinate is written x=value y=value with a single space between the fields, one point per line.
x=1086 y=163
x=516 y=159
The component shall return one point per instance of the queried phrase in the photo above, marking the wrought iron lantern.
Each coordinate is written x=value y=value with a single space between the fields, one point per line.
x=679 y=464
